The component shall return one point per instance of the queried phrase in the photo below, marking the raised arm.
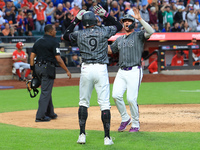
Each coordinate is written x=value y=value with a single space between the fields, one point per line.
x=148 y=28
x=103 y=13
x=73 y=24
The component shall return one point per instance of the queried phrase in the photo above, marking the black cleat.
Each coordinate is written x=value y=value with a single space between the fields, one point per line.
x=44 y=119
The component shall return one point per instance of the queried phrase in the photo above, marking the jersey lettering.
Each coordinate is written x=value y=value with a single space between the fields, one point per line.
x=93 y=43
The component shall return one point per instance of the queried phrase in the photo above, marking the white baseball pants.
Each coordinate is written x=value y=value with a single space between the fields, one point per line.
x=130 y=81
x=94 y=75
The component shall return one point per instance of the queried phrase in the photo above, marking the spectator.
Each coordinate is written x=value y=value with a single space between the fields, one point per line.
x=6 y=31
x=167 y=14
x=50 y=12
x=191 y=19
x=2 y=49
x=178 y=17
x=40 y=20
x=160 y=19
x=186 y=27
x=2 y=4
x=153 y=67
x=196 y=5
x=177 y=60
x=127 y=7
x=27 y=6
x=88 y=4
x=78 y=3
x=144 y=13
x=8 y=6
x=57 y=2
x=176 y=27
x=2 y=20
x=167 y=27
x=74 y=61
x=22 y=25
x=67 y=6
x=12 y=32
x=156 y=28
x=74 y=11
x=131 y=12
x=30 y=22
x=153 y=16
x=116 y=9
x=122 y=9
x=20 y=60
x=60 y=13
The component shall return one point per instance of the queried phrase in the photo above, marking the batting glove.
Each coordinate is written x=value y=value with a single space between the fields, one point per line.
x=80 y=14
x=98 y=9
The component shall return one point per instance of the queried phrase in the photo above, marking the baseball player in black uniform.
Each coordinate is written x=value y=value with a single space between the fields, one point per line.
x=47 y=53
x=93 y=43
x=129 y=75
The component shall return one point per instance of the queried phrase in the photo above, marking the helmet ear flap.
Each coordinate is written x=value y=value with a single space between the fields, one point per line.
x=132 y=26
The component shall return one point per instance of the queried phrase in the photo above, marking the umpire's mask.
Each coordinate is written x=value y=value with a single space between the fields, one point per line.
x=33 y=85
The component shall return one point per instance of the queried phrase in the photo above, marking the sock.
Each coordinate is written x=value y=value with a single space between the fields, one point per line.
x=82 y=114
x=105 y=117
x=18 y=73
x=27 y=72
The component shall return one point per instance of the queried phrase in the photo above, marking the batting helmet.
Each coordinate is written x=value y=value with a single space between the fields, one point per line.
x=129 y=17
x=33 y=84
x=89 y=19
x=19 y=44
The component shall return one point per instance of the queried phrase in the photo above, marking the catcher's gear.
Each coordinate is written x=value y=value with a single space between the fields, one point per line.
x=80 y=14
x=129 y=17
x=19 y=44
x=33 y=84
x=100 y=11
x=89 y=19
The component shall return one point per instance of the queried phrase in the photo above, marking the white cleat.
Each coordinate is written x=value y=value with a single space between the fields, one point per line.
x=108 y=141
x=81 y=139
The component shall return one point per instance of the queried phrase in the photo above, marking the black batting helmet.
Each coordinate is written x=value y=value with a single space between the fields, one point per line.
x=129 y=17
x=33 y=85
x=89 y=19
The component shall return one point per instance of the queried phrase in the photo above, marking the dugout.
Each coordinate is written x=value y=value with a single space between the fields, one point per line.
x=188 y=63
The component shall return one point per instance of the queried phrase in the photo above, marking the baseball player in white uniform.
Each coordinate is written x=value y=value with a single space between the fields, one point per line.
x=93 y=43
x=129 y=75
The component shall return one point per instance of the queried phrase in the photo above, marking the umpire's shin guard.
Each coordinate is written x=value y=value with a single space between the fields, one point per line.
x=82 y=114
x=105 y=117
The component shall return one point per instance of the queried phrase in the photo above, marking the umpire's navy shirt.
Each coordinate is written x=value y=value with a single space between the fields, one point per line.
x=46 y=48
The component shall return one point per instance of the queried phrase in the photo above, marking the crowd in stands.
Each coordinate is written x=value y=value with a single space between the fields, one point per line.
x=21 y=17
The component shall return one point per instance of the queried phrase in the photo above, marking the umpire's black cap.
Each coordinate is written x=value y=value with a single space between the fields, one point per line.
x=89 y=19
x=128 y=17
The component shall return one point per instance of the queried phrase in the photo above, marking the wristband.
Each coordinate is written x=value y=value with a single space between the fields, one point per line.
x=32 y=67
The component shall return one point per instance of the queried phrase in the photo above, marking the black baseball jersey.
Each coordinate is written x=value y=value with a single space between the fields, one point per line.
x=130 y=48
x=93 y=43
x=46 y=48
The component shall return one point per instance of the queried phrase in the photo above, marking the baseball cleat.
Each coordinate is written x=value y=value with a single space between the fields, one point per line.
x=108 y=141
x=123 y=125
x=134 y=129
x=81 y=139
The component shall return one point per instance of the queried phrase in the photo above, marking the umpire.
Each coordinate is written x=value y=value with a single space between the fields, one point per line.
x=47 y=53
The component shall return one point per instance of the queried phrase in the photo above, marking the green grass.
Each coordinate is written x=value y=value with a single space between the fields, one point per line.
x=19 y=138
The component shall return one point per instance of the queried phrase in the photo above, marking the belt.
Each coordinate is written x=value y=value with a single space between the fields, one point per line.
x=92 y=63
x=44 y=63
x=129 y=68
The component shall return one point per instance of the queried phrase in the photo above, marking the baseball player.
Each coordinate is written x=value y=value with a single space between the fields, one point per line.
x=19 y=58
x=93 y=42
x=129 y=75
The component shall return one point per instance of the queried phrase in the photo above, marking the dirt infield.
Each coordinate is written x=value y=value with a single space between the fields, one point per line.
x=153 y=118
